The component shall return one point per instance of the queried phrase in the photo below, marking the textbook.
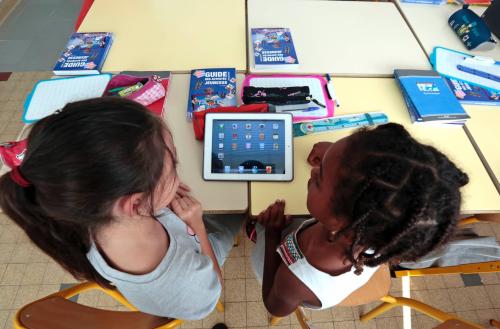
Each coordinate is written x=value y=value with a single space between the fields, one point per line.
x=273 y=48
x=428 y=97
x=211 y=88
x=84 y=54
x=471 y=94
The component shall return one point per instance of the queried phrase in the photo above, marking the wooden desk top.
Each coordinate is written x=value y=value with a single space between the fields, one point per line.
x=378 y=94
x=171 y=35
x=348 y=38
x=483 y=128
x=221 y=197
x=430 y=24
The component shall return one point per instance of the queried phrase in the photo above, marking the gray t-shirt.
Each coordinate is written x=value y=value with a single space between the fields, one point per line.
x=184 y=285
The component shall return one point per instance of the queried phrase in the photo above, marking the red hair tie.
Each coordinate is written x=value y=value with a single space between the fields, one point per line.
x=18 y=178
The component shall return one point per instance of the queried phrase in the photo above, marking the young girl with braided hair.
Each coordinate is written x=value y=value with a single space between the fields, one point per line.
x=376 y=197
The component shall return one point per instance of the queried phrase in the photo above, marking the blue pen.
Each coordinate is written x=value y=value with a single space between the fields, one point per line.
x=331 y=90
x=479 y=73
x=310 y=109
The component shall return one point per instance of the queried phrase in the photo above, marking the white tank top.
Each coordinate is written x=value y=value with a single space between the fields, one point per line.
x=329 y=289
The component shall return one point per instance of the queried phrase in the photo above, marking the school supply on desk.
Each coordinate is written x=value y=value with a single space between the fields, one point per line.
x=279 y=95
x=199 y=116
x=331 y=90
x=305 y=111
x=427 y=2
x=428 y=97
x=471 y=29
x=211 y=88
x=491 y=17
x=339 y=122
x=248 y=146
x=273 y=48
x=84 y=54
x=471 y=94
x=143 y=90
x=471 y=2
x=51 y=95
x=12 y=153
x=446 y=62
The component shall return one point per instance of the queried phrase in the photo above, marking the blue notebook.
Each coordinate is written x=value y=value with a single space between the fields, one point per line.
x=428 y=97
x=273 y=48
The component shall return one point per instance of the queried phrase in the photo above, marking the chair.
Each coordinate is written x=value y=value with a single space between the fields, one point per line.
x=377 y=288
x=57 y=312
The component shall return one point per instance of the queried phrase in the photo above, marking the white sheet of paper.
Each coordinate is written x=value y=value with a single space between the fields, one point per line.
x=49 y=96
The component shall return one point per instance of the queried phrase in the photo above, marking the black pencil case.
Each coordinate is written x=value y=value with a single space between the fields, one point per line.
x=276 y=95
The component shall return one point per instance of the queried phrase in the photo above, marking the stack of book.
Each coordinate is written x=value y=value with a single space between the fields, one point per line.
x=429 y=98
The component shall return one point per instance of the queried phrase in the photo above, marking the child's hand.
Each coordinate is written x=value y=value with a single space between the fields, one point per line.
x=317 y=153
x=274 y=218
x=189 y=210
x=182 y=191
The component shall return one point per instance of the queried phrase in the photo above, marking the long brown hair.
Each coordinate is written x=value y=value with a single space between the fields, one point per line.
x=78 y=163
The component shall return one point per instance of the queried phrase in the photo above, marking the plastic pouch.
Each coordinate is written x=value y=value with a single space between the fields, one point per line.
x=471 y=29
x=150 y=91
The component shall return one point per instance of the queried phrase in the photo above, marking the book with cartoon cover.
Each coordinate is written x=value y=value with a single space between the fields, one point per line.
x=273 y=47
x=211 y=88
x=471 y=94
x=84 y=54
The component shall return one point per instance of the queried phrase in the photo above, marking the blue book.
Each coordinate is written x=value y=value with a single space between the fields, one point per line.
x=211 y=88
x=429 y=98
x=472 y=94
x=273 y=48
x=84 y=54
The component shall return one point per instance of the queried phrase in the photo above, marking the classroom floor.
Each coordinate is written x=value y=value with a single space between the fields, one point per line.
x=33 y=35
x=27 y=274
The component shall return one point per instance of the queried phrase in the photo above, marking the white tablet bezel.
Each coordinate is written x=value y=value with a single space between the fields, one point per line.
x=207 y=154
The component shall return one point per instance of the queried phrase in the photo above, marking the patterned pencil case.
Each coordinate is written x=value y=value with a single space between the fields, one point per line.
x=144 y=90
x=276 y=95
x=471 y=29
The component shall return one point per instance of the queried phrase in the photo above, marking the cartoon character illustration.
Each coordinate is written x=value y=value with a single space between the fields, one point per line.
x=258 y=46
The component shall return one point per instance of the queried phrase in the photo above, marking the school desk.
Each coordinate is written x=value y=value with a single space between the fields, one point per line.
x=483 y=130
x=348 y=38
x=381 y=94
x=215 y=197
x=170 y=35
x=430 y=24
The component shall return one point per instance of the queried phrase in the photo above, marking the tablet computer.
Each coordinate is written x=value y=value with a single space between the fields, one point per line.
x=248 y=146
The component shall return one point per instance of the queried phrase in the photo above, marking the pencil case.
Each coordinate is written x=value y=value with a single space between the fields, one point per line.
x=276 y=95
x=471 y=29
x=12 y=153
x=199 y=116
x=150 y=91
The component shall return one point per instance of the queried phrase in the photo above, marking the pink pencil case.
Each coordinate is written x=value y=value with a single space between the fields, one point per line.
x=291 y=80
x=151 y=91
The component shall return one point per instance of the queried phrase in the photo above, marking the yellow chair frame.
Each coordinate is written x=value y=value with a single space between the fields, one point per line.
x=115 y=294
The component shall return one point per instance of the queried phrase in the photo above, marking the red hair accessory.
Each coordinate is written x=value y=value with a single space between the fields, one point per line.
x=18 y=178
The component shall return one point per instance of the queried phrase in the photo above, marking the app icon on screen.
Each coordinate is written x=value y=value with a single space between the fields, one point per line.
x=235 y=136
x=262 y=136
x=221 y=126
x=235 y=126
x=276 y=146
x=275 y=126
x=221 y=145
x=248 y=136
x=234 y=146
x=221 y=135
x=241 y=169
x=261 y=146
x=227 y=169
x=255 y=170
x=269 y=169
x=262 y=125
x=276 y=136
x=248 y=145
x=220 y=156
x=248 y=126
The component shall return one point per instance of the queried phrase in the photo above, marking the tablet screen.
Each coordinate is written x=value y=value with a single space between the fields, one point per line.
x=248 y=147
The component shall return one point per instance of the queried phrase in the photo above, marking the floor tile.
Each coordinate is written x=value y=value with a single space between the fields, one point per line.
x=234 y=290
x=234 y=268
x=253 y=290
x=235 y=314
x=257 y=314
x=7 y=296
x=494 y=294
x=387 y=323
x=25 y=295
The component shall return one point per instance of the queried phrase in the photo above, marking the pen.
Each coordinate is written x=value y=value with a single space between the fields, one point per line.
x=331 y=90
x=116 y=89
x=479 y=73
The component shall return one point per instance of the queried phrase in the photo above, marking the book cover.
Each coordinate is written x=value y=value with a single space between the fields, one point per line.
x=211 y=88
x=273 y=47
x=428 y=97
x=471 y=94
x=84 y=54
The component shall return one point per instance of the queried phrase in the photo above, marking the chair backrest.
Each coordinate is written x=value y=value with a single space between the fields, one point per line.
x=377 y=287
x=55 y=312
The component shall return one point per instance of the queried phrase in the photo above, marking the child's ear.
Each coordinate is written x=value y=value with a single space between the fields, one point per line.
x=129 y=205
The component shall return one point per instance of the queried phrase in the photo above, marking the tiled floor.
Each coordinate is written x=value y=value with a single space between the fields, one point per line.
x=35 y=33
x=27 y=274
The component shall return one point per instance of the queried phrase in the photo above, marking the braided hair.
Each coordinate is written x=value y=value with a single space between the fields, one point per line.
x=401 y=198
